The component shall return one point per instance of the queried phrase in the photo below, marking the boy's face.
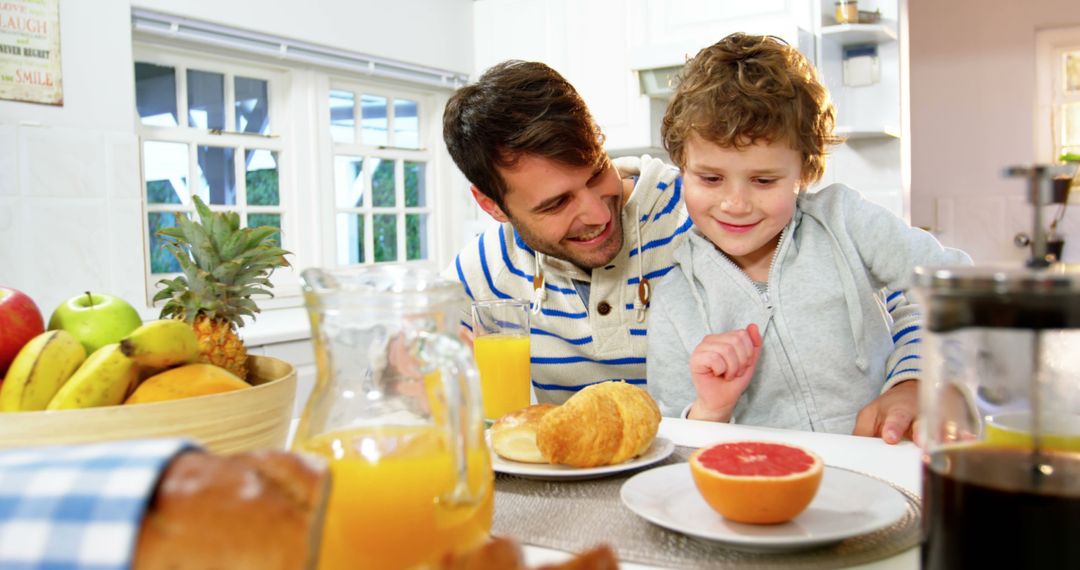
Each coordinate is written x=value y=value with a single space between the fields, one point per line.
x=742 y=199
x=568 y=212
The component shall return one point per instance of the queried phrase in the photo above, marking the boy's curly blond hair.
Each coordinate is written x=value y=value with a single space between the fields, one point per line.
x=744 y=89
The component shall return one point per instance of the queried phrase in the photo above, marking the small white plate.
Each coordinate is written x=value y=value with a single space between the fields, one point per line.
x=847 y=504
x=658 y=451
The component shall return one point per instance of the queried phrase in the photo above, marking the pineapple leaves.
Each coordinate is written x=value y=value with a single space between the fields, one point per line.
x=204 y=211
x=256 y=236
x=233 y=245
x=222 y=265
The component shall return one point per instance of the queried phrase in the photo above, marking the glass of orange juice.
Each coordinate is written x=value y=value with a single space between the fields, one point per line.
x=501 y=348
x=396 y=412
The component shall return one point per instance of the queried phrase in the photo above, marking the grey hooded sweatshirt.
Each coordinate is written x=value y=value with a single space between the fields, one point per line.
x=837 y=328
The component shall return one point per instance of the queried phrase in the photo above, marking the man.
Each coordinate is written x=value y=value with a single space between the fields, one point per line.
x=580 y=236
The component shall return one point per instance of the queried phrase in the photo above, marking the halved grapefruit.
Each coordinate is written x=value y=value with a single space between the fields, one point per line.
x=756 y=482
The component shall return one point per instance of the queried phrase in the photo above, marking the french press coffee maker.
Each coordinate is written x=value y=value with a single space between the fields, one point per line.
x=1000 y=409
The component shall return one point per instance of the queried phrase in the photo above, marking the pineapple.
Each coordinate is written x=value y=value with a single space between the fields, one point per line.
x=223 y=266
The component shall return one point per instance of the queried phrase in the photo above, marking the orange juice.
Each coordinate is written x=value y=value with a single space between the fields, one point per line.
x=503 y=361
x=386 y=508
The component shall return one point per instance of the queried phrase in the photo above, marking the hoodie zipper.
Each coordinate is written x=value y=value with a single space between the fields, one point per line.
x=763 y=295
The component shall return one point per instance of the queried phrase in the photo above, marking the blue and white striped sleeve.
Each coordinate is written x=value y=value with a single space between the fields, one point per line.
x=904 y=362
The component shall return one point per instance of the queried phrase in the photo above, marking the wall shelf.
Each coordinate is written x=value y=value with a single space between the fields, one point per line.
x=858 y=133
x=859 y=33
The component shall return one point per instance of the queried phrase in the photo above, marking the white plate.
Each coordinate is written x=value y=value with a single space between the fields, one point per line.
x=847 y=504
x=658 y=451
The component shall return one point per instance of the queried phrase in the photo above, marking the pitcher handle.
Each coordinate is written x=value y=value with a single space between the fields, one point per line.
x=460 y=381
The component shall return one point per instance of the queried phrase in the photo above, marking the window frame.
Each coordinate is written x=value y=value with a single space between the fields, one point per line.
x=426 y=101
x=299 y=112
x=1051 y=45
x=278 y=142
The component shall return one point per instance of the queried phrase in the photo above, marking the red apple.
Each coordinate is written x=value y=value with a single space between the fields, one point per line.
x=20 y=321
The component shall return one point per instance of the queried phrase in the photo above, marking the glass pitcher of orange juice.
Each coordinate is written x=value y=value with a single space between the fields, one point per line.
x=396 y=411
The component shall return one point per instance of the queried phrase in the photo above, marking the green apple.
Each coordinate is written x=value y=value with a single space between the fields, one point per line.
x=95 y=319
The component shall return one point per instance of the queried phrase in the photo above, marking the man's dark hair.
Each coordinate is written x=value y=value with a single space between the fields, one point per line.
x=518 y=108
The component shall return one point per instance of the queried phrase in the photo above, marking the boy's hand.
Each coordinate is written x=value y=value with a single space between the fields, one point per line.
x=721 y=367
x=891 y=416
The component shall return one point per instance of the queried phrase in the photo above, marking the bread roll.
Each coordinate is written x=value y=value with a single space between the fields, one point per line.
x=603 y=424
x=260 y=511
x=513 y=436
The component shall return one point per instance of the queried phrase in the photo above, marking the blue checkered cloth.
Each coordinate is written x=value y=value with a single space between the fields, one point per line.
x=78 y=506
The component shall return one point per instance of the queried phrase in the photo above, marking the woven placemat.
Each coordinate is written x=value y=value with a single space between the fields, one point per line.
x=576 y=515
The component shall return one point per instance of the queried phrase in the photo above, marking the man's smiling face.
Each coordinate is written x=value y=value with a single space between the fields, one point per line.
x=567 y=212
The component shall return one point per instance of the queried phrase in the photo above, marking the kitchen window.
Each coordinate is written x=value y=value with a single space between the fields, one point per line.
x=343 y=167
x=1058 y=83
x=382 y=206
x=211 y=129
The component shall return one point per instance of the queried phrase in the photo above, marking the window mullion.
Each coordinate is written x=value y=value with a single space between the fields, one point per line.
x=390 y=138
x=240 y=177
x=181 y=97
x=399 y=202
x=194 y=185
x=369 y=218
x=369 y=239
x=357 y=116
x=229 y=98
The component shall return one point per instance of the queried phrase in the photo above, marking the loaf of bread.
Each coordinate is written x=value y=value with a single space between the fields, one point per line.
x=602 y=424
x=504 y=554
x=513 y=436
x=259 y=511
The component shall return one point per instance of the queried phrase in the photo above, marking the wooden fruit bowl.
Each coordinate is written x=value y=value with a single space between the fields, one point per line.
x=243 y=420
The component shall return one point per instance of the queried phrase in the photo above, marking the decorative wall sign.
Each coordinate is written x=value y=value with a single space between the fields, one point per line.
x=30 y=51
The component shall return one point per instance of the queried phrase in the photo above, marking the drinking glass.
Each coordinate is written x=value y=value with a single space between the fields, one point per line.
x=396 y=411
x=501 y=348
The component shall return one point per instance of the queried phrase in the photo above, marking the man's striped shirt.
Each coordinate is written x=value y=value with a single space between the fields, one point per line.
x=574 y=344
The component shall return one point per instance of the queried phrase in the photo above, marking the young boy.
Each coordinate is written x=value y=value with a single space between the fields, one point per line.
x=787 y=305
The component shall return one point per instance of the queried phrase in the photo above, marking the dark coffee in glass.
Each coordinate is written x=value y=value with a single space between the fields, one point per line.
x=992 y=508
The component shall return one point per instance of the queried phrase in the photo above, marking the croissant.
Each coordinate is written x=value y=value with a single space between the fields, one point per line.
x=603 y=424
x=514 y=435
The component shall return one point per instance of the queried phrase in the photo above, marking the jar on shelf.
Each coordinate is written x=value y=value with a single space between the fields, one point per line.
x=847 y=11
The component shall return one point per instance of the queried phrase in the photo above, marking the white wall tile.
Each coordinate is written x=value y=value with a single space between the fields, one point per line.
x=9 y=173
x=122 y=165
x=10 y=212
x=61 y=162
x=125 y=250
x=65 y=248
x=982 y=224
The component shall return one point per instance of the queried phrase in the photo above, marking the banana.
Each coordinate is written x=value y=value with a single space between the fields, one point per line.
x=39 y=370
x=161 y=344
x=105 y=379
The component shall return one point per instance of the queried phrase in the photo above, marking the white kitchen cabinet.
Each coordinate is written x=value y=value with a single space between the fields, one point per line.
x=868 y=115
x=604 y=46
x=600 y=46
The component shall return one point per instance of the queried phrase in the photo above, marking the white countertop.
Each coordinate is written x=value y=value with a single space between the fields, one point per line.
x=900 y=464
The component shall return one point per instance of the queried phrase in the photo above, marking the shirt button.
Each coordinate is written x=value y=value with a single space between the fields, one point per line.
x=603 y=308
